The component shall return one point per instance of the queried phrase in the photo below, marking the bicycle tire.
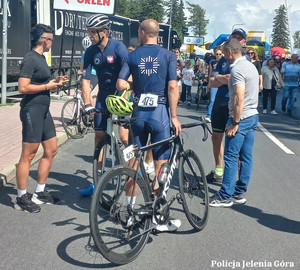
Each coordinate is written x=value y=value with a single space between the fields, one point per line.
x=72 y=123
x=193 y=190
x=108 y=226
x=105 y=144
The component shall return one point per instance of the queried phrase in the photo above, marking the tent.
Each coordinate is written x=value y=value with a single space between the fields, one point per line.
x=278 y=51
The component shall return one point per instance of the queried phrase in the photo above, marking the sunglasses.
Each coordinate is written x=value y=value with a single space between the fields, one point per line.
x=250 y=52
x=48 y=38
x=218 y=54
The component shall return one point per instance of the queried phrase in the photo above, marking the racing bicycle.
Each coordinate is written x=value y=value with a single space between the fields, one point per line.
x=124 y=208
x=75 y=120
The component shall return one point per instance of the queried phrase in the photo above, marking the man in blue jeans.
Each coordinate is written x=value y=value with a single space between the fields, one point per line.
x=243 y=118
x=290 y=74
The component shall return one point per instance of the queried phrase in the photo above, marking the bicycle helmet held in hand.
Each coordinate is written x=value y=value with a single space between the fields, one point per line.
x=119 y=105
x=98 y=22
x=86 y=42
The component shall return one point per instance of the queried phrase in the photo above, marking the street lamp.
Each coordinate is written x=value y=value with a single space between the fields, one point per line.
x=236 y=24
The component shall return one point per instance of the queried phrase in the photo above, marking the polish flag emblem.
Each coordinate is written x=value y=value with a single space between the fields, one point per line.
x=110 y=59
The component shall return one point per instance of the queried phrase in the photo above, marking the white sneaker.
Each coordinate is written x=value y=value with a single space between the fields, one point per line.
x=264 y=111
x=207 y=120
x=171 y=226
x=274 y=112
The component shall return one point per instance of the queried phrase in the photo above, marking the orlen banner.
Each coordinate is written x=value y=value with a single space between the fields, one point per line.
x=94 y=6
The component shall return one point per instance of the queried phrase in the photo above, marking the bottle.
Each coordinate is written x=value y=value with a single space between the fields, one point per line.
x=163 y=174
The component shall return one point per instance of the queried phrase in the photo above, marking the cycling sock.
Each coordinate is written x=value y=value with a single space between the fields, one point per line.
x=40 y=187
x=128 y=199
x=219 y=171
x=21 y=192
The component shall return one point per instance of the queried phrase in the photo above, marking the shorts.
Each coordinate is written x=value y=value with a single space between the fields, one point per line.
x=156 y=122
x=37 y=123
x=220 y=114
x=100 y=119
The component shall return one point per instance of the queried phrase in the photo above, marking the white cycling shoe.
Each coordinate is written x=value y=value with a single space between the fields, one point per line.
x=171 y=226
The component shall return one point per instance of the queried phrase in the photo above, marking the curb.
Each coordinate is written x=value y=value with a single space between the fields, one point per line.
x=9 y=172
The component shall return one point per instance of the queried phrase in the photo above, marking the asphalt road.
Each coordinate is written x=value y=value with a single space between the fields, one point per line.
x=262 y=234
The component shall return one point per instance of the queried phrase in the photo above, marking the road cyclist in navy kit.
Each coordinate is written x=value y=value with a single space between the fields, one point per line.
x=156 y=95
x=109 y=58
x=37 y=123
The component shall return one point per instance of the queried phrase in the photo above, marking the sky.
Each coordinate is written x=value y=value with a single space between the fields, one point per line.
x=253 y=14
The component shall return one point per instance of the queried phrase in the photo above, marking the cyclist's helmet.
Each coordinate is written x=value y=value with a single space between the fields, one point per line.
x=119 y=105
x=86 y=42
x=98 y=22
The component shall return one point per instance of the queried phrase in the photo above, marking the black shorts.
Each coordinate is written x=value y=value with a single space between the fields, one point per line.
x=37 y=123
x=220 y=114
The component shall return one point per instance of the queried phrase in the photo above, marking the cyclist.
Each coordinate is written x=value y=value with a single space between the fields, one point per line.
x=108 y=57
x=37 y=123
x=153 y=70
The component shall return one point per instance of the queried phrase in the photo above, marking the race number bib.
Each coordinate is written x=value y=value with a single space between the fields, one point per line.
x=148 y=100
x=128 y=153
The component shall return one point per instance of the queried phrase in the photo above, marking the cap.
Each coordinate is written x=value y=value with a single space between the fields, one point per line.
x=239 y=31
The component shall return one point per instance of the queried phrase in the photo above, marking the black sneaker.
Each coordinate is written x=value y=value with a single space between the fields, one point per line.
x=217 y=201
x=24 y=203
x=212 y=178
x=238 y=198
x=42 y=197
x=283 y=108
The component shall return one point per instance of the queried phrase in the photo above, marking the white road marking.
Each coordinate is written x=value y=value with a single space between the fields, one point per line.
x=275 y=140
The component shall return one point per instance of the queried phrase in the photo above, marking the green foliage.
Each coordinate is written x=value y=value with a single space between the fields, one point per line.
x=178 y=19
x=141 y=9
x=197 y=19
x=296 y=37
x=280 y=35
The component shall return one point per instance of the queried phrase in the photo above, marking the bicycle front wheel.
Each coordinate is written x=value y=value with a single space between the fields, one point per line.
x=118 y=233
x=71 y=117
x=105 y=157
x=193 y=189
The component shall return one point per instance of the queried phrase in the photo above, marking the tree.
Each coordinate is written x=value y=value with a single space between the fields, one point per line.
x=280 y=35
x=296 y=37
x=178 y=20
x=197 y=19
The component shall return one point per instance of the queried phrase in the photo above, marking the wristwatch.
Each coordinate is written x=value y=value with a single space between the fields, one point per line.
x=234 y=123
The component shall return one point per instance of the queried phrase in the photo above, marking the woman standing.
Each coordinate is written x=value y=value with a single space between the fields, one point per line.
x=271 y=80
x=37 y=123
x=255 y=61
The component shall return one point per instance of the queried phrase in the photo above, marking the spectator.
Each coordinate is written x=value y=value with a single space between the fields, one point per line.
x=291 y=75
x=178 y=57
x=243 y=119
x=212 y=91
x=255 y=61
x=270 y=75
x=188 y=79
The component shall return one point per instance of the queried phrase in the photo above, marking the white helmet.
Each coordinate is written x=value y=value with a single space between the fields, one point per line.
x=98 y=22
x=86 y=42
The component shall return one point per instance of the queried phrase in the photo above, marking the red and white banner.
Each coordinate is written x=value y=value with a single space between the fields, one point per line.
x=93 y=6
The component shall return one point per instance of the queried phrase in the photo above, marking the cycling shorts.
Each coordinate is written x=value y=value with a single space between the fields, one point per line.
x=156 y=122
x=100 y=119
x=37 y=123
x=220 y=114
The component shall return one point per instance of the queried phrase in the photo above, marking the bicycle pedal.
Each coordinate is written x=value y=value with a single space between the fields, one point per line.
x=179 y=198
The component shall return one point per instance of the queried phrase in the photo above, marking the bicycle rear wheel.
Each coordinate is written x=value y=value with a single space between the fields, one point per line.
x=193 y=189
x=72 y=121
x=104 y=148
x=117 y=240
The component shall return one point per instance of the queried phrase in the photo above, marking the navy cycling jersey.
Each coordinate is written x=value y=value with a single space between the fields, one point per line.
x=108 y=65
x=152 y=67
x=222 y=68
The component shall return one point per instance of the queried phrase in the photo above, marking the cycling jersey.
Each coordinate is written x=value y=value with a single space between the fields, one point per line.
x=108 y=65
x=35 y=68
x=222 y=68
x=152 y=67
